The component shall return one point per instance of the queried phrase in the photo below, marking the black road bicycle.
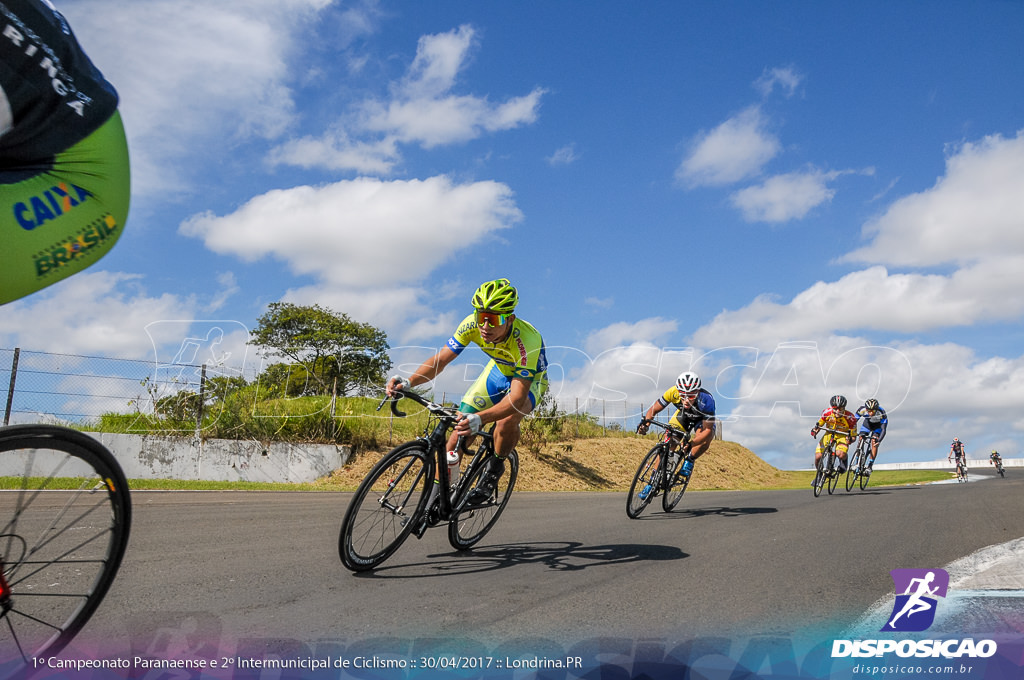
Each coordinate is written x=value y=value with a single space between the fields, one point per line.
x=392 y=501
x=858 y=471
x=828 y=467
x=660 y=472
x=999 y=468
x=961 y=471
x=67 y=513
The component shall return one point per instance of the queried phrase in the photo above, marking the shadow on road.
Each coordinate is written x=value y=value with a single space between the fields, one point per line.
x=721 y=511
x=560 y=556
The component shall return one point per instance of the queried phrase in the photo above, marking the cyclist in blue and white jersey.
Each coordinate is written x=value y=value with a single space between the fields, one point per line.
x=874 y=423
x=695 y=413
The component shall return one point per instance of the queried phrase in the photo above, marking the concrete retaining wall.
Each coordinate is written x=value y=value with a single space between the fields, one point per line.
x=150 y=457
x=944 y=464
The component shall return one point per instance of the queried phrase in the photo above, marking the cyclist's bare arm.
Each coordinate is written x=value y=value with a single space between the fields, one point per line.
x=427 y=371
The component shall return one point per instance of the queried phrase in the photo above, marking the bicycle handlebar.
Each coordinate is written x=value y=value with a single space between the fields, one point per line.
x=682 y=434
x=438 y=409
x=852 y=435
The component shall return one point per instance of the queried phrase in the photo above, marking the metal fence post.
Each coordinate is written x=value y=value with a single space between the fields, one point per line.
x=10 y=391
x=202 y=399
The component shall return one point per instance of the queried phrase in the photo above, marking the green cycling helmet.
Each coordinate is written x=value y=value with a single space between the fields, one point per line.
x=496 y=296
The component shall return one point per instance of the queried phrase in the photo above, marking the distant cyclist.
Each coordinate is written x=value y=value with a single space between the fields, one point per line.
x=995 y=459
x=64 y=175
x=695 y=413
x=837 y=418
x=512 y=382
x=957 y=451
x=873 y=424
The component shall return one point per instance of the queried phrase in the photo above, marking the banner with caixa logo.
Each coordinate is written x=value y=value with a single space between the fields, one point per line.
x=919 y=595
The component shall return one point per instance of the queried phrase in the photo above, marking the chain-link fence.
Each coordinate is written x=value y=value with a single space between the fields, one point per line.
x=78 y=389
x=47 y=387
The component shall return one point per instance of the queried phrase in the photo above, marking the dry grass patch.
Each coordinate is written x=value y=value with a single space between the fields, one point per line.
x=604 y=464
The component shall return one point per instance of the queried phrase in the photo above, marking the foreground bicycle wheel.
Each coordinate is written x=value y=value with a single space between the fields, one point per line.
x=833 y=471
x=66 y=514
x=821 y=476
x=646 y=474
x=472 y=520
x=386 y=507
x=855 y=467
x=676 y=485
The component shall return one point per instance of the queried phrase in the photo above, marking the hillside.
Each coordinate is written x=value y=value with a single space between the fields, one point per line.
x=608 y=464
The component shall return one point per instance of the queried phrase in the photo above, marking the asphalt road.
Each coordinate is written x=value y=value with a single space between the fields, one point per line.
x=213 y=571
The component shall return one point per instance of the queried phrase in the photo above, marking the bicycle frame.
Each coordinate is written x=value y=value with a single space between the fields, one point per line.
x=436 y=443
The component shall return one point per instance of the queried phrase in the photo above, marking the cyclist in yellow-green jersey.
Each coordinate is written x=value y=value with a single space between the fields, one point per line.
x=511 y=384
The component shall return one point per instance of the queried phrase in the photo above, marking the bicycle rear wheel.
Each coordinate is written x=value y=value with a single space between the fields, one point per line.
x=646 y=475
x=387 y=506
x=676 y=485
x=66 y=513
x=471 y=521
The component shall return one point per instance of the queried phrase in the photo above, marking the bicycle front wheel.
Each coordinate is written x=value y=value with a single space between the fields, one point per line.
x=645 y=482
x=833 y=472
x=675 y=486
x=865 y=472
x=67 y=515
x=471 y=521
x=855 y=467
x=386 y=507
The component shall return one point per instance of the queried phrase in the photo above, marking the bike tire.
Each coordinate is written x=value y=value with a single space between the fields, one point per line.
x=833 y=469
x=378 y=519
x=67 y=511
x=470 y=522
x=645 y=474
x=819 y=478
x=854 y=467
x=675 y=486
x=863 y=477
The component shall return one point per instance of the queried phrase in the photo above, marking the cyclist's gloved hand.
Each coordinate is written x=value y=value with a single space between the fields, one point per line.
x=643 y=427
x=469 y=423
x=395 y=383
x=814 y=432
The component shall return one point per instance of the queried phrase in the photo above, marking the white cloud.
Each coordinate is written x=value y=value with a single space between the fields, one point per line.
x=421 y=109
x=617 y=334
x=788 y=79
x=363 y=232
x=565 y=155
x=94 y=312
x=194 y=74
x=969 y=218
x=974 y=211
x=735 y=150
x=785 y=197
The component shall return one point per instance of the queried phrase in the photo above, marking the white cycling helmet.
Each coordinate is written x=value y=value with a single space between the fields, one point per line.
x=688 y=382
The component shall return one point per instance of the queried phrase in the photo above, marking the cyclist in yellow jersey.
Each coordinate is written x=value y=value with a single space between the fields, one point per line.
x=511 y=384
x=836 y=417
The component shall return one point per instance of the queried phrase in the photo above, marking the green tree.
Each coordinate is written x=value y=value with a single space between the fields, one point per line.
x=324 y=347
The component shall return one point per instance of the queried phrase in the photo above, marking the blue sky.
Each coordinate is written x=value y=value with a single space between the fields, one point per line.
x=795 y=199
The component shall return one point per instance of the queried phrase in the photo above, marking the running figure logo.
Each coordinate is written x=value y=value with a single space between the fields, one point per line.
x=914 y=610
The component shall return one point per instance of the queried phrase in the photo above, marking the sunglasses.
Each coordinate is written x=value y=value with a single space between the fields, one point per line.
x=491 y=319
